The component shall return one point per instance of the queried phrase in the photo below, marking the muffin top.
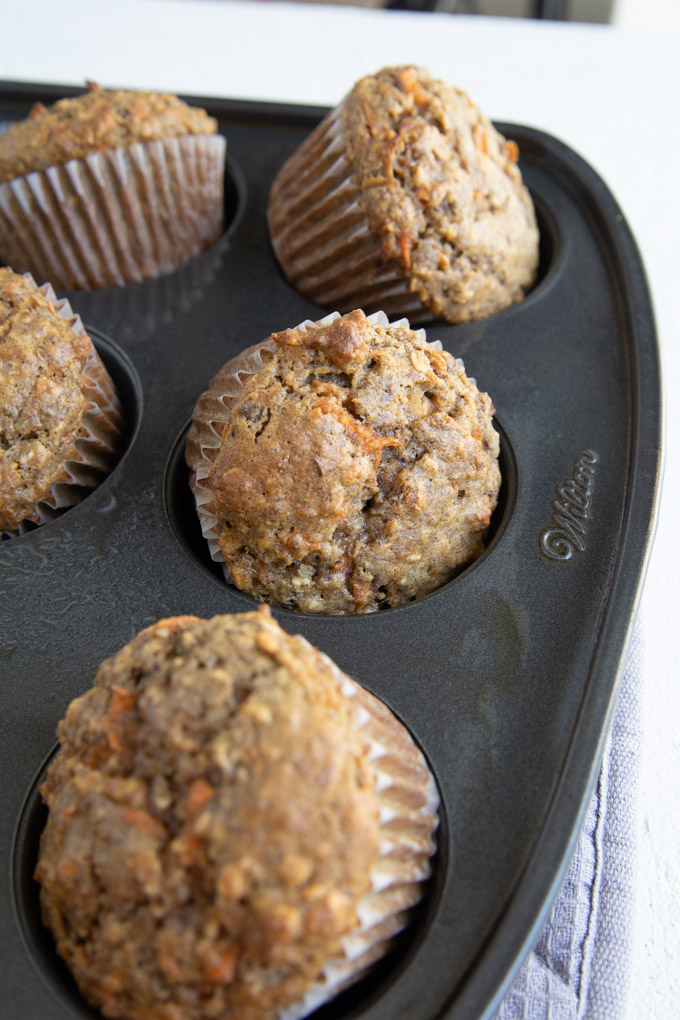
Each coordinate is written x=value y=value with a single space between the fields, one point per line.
x=42 y=399
x=357 y=469
x=100 y=119
x=442 y=189
x=212 y=822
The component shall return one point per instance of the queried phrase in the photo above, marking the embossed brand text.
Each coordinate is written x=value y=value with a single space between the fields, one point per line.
x=571 y=511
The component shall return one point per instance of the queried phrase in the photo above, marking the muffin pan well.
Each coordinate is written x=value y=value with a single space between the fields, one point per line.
x=506 y=677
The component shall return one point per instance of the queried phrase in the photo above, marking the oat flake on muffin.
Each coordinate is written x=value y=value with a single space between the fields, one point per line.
x=344 y=466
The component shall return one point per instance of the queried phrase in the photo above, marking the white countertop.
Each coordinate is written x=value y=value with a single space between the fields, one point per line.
x=611 y=94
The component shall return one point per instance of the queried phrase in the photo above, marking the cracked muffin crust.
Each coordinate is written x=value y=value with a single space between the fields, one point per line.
x=407 y=199
x=353 y=467
x=214 y=827
x=59 y=416
x=99 y=119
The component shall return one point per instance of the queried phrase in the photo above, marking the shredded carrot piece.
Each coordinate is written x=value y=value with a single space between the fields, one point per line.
x=512 y=151
x=200 y=794
x=142 y=820
x=412 y=87
x=360 y=589
x=224 y=969
x=406 y=245
x=67 y=867
x=188 y=847
x=375 y=182
x=97 y=756
x=122 y=700
x=261 y=570
x=173 y=624
x=370 y=122
x=296 y=540
x=167 y=961
x=407 y=80
x=362 y=434
x=115 y=741
x=388 y=152
x=343 y=564
x=480 y=139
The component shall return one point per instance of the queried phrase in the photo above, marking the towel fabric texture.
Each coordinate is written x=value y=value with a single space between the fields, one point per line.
x=578 y=969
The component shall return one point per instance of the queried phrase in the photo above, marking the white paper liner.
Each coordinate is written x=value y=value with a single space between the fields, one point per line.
x=321 y=237
x=96 y=448
x=215 y=405
x=408 y=803
x=115 y=217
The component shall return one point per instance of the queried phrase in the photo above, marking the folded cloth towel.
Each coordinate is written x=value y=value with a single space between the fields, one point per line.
x=578 y=969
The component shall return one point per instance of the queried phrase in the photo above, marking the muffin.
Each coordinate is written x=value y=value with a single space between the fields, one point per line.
x=235 y=827
x=109 y=188
x=60 y=418
x=405 y=198
x=344 y=466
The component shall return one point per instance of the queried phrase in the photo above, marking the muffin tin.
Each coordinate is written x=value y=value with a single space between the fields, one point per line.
x=506 y=677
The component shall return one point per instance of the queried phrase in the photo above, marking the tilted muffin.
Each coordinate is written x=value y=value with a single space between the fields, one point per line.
x=60 y=418
x=110 y=187
x=344 y=466
x=406 y=199
x=235 y=827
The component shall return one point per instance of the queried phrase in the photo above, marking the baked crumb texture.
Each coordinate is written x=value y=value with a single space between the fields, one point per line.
x=406 y=199
x=100 y=119
x=60 y=420
x=109 y=188
x=344 y=466
x=234 y=829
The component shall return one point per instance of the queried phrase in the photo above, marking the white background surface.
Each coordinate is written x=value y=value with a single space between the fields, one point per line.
x=611 y=93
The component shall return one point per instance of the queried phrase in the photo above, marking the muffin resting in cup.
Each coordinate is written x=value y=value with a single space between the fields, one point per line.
x=406 y=199
x=344 y=466
x=109 y=188
x=235 y=827
x=61 y=428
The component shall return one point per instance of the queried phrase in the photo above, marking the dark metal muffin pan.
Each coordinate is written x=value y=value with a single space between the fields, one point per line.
x=507 y=677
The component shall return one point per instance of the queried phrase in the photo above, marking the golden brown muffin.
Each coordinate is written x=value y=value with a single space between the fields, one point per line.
x=351 y=466
x=101 y=119
x=407 y=199
x=214 y=827
x=60 y=425
x=109 y=188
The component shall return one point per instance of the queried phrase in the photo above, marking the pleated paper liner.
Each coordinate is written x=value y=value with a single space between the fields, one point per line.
x=408 y=802
x=115 y=217
x=320 y=233
x=95 y=450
